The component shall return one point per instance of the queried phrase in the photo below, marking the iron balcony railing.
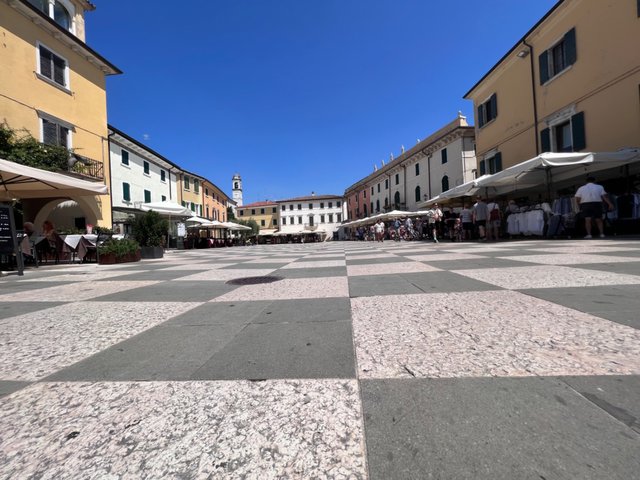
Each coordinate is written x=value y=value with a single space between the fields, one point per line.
x=86 y=167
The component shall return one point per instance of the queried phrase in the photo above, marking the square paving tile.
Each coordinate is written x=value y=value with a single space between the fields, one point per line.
x=436 y=256
x=443 y=281
x=631 y=267
x=475 y=334
x=183 y=291
x=7 y=387
x=366 y=286
x=225 y=275
x=290 y=289
x=492 y=428
x=316 y=264
x=472 y=264
x=376 y=260
x=74 y=292
x=572 y=259
x=12 y=309
x=551 y=276
x=388 y=268
x=318 y=272
x=37 y=344
x=273 y=429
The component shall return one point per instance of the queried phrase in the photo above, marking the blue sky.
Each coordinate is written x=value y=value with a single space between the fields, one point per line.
x=296 y=95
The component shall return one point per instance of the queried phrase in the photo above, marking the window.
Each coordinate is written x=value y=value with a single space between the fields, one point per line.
x=164 y=198
x=397 y=179
x=184 y=204
x=311 y=206
x=371 y=207
x=378 y=188
x=284 y=208
x=207 y=211
x=53 y=67
x=331 y=218
x=487 y=111
x=147 y=196
x=558 y=58
x=299 y=220
x=444 y=155
x=417 y=169
x=196 y=186
x=241 y=213
x=377 y=205
x=186 y=183
x=253 y=211
x=206 y=192
x=386 y=184
x=274 y=210
x=445 y=183
x=61 y=16
x=284 y=220
x=57 y=11
x=364 y=193
x=396 y=199
x=262 y=211
x=386 y=202
x=145 y=166
x=331 y=203
x=299 y=206
x=338 y=204
x=262 y=223
x=567 y=135
x=339 y=217
x=321 y=204
x=321 y=218
x=275 y=221
x=311 y=220
x=418 y=196
x=235 y=185
x=163 y=176
x=193 y=207
x=54 y=133
x=491 y=165
x=290 y=207
x=372 y=190
x=124 y=157
x=126 y=192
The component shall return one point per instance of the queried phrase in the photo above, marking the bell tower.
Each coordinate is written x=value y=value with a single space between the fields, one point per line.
x=236 y=189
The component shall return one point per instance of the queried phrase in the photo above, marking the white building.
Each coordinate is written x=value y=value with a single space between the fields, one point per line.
x=320 y=214
x=138 y=175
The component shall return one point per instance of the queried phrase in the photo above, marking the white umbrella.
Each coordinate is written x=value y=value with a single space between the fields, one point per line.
x=21 y=181
x=394 y=214
x=167 y=209
x=196 y=219
x=235 y=226
x=213 y=224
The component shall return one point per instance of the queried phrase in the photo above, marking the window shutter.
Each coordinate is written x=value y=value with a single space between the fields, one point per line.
x=483 y=168
x=577 y=132
x=126 y=192
x=480 y=116
x=49 y=133
x=45 y=62
x=64 y=136
x=570 y=52
x=544 y=67
x=497 y=160
x=59 y=66
x=494 y=105
x=545 y=139
x=444 y=155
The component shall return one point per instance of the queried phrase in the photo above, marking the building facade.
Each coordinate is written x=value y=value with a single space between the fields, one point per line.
x=264 y=213
x=52 y=84
x=236 y=189
x=571 y=83
x=311 y=214
x=215 y=202
x=441 y=161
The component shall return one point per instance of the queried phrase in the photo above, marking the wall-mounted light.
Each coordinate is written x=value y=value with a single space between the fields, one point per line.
x=523 y=53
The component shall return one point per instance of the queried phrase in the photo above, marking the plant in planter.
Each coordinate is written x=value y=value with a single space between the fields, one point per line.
x=149 y=230
x=119 y=251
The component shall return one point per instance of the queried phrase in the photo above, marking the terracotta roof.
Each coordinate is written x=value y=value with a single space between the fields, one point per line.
x=311 y=197
x=259 y=204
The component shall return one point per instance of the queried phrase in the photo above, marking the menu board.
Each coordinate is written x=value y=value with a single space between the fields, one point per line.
x=7 y=230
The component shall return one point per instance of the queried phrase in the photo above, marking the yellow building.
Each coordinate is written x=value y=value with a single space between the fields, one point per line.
x=264 y=213
x=571 y=83
x=53 y=85
x=215 y=202
x=190 y=192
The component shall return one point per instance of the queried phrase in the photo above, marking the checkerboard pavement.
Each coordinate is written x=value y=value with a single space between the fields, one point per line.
x=364 y=360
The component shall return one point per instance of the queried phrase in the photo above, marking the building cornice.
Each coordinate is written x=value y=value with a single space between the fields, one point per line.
x=64 y=36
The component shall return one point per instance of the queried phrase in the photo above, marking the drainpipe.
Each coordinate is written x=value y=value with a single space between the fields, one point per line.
x=110 y=179
x=533 y=92
x=429 y=173
x=404 y=168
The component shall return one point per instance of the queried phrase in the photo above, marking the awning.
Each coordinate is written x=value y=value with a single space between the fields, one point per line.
x=196 y=219
x=464 y=190
x=20 y=181
x=267 y=232
x=167 y=209
x=234 y=226
x=554 y=167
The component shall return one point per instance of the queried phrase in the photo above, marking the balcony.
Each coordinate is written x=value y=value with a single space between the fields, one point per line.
x=86 y=167
x=310 y=228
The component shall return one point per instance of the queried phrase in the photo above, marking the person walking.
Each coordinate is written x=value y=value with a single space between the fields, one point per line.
x=590 y=197
x=380 y=231
x=434 y=220
x=480 y=216
x=466 y=216
x=493 y=221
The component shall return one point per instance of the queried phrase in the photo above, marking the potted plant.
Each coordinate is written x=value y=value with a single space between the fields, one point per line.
x=119 y=251
x=149 y=231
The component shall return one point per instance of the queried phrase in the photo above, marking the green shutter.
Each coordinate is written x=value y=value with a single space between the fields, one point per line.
x=147 y=196
x=577 y=132
x=480 y=115
x=545 y=139
x=497 y=160
x=126 y=192
x=494 y=105
x=444 y=155
x=570 y=52
x=544 y=67
x=483 y=168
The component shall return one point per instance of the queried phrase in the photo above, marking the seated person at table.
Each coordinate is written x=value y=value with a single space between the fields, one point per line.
x=48 y=230
x=29 y=229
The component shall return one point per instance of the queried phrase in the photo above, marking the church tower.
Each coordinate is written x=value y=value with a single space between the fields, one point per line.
x=236 y=188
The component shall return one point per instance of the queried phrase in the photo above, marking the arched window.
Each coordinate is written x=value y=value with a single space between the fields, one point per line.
x=42 y=5
x=235 y=186
x=396 y=199
x=445 y=183
x=62 y=11
x=365 y=210
x=418 y=193
x=386 y=201
x=61 y=16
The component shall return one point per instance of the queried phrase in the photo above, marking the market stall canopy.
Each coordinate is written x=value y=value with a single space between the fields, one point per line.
x=267 y=232
x=20 y=181
x=464 y=190
x=549 y=167
x=170 y=209
x=393 y=214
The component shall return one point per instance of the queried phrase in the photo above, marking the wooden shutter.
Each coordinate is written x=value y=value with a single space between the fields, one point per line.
x=481 y=115
x=497 y=160
x=545 y=139
x=126 y=192
x=570 y=52
x=59 y=66
x=577 y=132
x=49 y=132
x=483 y=167
x=46 y=59
x=493 y=101
x=543 y=61
x=147 y=196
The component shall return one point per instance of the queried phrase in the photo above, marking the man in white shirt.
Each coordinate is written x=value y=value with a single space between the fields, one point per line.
x=590 y=197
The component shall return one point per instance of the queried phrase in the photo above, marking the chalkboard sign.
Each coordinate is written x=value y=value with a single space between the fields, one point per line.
x=8 y=235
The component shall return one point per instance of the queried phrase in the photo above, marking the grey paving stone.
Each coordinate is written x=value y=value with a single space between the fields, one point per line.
x=318 y=272
x=305 y=311
x=368 y=286
x=618 y=395
x=183 y=291
x=163 y=275
x=284 y=350
x=618 y=303
x=475 y=263
x=442 y=282
x=7 y=387
x=311 y=258
x=630 y=268
x=492 y=428
x=375 y=261
x=166 y=352
x=221 y=313
x=11 y=309
x=10 y=287
x=257 y=266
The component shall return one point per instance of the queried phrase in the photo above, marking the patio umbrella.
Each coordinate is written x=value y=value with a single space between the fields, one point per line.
x=167 y=209
x=235 y=226
x=196 y=219
x=21 y=181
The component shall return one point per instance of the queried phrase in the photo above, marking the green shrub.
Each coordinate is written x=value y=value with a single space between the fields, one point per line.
x=26 y=150
x=149 y=229
x=119 y=248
